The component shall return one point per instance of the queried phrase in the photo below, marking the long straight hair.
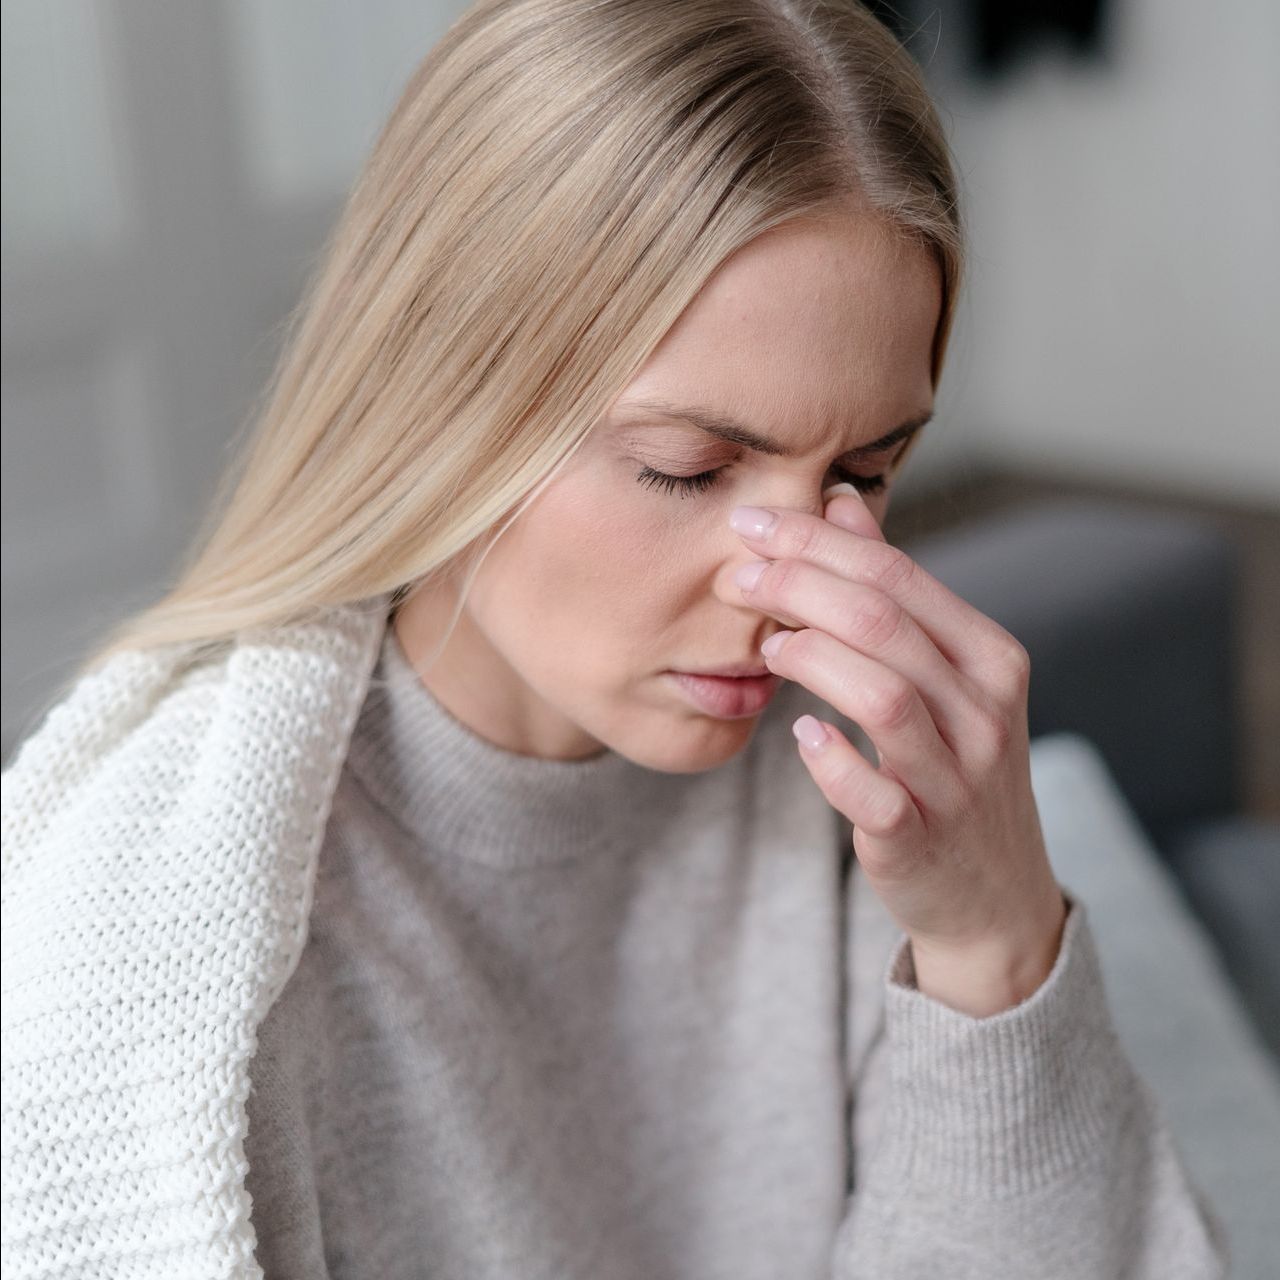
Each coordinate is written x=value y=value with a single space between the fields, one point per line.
x=556 y=182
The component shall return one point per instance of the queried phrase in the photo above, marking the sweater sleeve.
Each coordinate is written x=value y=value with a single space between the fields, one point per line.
x=1019 y=1144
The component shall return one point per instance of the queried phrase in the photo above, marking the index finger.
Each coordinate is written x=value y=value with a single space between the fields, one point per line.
x=966 y=637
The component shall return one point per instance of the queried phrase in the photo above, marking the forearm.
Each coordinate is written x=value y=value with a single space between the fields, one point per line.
x=1021 y=1144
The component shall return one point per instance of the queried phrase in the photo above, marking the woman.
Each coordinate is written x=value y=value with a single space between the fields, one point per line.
x=430 y=883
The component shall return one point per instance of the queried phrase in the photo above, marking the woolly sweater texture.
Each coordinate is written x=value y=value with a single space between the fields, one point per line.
x=301 y=977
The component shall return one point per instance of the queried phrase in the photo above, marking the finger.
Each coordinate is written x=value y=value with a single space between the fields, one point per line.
x=875 y=804
x=868 y=621
x=966 y=637
x=885 y=705
x=855 y=516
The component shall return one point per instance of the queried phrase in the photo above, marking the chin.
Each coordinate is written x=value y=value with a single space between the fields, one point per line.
x=700 y=744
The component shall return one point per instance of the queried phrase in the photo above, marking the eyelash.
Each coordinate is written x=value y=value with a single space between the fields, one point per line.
x=705 y=479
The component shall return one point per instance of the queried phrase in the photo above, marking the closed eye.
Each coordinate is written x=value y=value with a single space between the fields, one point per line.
x=704 y=480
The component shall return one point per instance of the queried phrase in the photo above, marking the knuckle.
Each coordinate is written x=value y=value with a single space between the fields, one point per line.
x=890 y=702
x=875 y=622
x=1013 y=664
x=845 y=781
x=891 y=817
x=781 y=577
x=1019 y=666
x=893 y=569
x=993 y=738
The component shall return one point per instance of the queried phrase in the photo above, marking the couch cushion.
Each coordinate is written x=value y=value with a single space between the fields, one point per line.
x=1175 y=1009
x=1229 y=870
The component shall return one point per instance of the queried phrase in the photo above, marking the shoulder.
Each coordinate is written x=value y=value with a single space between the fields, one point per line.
x=155 y=728
x=162 y=788
x=161 y=782
x=161 y=785
x=160 y=831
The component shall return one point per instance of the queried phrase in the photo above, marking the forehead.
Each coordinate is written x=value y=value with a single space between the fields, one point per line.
x=813 y=327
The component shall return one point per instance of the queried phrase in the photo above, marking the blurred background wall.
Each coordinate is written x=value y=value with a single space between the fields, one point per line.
x=1123 y=315
x=170 y=171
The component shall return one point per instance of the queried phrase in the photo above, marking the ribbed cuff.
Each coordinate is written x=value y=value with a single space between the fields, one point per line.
x=1000 y=1105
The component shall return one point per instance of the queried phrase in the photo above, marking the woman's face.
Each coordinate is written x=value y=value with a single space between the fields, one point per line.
x=816 y=336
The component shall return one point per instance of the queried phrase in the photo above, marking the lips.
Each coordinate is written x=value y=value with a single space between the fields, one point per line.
x=727 y=697
x=740 y=671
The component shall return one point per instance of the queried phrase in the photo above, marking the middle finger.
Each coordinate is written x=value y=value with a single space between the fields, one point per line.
x=801 y=594
x=973 y=643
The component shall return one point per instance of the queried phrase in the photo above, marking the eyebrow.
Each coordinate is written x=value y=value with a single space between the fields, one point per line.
x=723 y=427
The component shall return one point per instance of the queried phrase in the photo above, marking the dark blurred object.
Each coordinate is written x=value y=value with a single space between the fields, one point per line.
x=996 y=33
x=1129 y=617
x=1004 y=29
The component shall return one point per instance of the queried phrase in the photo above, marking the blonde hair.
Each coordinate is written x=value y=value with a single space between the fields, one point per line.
x=556 y=182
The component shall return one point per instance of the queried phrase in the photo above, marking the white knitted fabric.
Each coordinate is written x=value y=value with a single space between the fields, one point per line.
x=160 y=834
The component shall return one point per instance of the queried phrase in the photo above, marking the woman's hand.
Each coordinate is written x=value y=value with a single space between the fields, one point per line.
x=946 y=828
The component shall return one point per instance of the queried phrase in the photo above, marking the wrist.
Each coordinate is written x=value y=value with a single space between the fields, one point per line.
x=988 y=977
x=993 y=1106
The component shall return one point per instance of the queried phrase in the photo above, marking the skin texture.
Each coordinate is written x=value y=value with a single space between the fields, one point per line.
x=817 y=334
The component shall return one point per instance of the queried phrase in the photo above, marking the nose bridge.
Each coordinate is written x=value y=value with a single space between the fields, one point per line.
x=782 y=493
x=784 y=488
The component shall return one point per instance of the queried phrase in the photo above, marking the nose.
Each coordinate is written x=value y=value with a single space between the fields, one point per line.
x=781 y=498
x=806 y=499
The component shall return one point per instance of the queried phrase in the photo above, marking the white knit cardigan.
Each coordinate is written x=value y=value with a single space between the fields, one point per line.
x=161 y=830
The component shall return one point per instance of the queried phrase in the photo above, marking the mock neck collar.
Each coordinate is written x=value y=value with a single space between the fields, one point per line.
x=460 y=794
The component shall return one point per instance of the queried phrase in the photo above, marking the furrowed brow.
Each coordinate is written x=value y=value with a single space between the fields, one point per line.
x=724 y=427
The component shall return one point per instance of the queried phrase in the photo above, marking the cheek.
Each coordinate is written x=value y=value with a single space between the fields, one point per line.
x=628 y=555
x=627 y=572
x=600 y=568
x=589 y=558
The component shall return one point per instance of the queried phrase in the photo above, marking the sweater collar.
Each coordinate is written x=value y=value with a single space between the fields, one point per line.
x=458 y=793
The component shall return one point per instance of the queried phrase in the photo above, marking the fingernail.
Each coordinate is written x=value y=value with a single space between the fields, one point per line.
x=809 y=732
x=775 y=642
x=834 y=491
x=753 y=522
x=747 y=575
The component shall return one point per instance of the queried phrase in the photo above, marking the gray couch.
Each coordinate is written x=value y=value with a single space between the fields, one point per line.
x=1182 y=1024
x=1128 y=618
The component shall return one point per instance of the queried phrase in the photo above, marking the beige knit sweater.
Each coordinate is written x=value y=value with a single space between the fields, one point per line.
x=161 y=834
